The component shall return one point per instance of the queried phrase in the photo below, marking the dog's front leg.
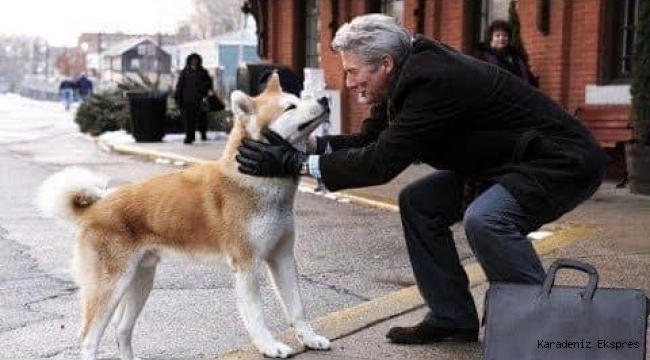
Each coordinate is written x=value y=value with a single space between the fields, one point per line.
x=282 y=266
x=250 y=307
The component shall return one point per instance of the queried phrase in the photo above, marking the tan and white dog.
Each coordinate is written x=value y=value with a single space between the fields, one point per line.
x=209 y=209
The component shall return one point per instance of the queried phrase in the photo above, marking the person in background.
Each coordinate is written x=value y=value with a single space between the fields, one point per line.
x=84 y=87
x=66 y=92
x=464 y=118
x=500 y=53
x=194 y=84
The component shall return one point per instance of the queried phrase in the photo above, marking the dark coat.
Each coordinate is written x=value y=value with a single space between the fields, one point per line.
x=84 y=85
x=455 y=112
x=193 y=84
x=509 y=59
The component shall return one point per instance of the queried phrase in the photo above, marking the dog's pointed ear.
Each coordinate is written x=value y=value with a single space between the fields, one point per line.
x=242 y=105
x=273 y=84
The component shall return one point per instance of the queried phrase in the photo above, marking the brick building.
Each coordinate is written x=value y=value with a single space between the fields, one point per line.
x=580 y=49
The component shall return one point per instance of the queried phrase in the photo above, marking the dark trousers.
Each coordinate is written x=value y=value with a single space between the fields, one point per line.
x=496 y=228
x=194 y=115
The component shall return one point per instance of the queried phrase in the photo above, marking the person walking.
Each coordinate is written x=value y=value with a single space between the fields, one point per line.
x=66 y=92
x=84 y=87
x=465 y=118
x=193 y=85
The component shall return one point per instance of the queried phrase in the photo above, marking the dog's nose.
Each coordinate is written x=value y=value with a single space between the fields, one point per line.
x=324 y=101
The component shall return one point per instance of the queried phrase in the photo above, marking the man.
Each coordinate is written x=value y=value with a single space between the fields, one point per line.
x=469 y=120
x=84 y=87
x=66 y=91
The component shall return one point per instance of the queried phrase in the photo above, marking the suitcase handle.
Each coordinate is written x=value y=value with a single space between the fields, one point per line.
x=589 y=291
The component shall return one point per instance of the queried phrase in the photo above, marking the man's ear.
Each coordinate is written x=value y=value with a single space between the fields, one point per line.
x=241 y=103
x=388 y=63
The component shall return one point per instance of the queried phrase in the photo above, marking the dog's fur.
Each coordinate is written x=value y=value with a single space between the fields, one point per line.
x=209 y=209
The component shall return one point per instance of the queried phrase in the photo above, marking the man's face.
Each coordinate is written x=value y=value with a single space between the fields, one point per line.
x=368 y=81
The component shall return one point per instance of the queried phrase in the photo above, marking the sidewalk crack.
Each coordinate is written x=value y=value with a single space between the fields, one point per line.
x=337 y=289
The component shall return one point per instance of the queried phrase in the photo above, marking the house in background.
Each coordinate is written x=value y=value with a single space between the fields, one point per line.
x=221 y=55
x=128 y=57
x=580 y=49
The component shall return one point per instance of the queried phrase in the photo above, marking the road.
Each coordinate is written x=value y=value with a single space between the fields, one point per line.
x=347 y=254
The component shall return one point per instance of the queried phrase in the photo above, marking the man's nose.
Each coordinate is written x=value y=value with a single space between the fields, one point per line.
x=324 y=102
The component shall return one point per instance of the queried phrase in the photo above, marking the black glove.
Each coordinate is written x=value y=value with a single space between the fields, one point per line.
x=278 y=158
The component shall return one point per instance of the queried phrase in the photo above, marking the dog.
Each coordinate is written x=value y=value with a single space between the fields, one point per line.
x=209 y=209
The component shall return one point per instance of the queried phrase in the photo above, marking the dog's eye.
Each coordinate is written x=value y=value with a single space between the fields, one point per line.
x=290 y=107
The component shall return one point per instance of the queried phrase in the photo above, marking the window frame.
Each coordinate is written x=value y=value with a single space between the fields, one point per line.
x=617 y=46
x=383 y=7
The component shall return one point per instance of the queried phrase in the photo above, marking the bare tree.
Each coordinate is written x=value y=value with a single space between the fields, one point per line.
x=214 y=17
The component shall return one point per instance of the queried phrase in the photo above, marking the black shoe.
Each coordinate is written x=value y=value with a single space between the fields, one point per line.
x=188 y=141
x=425 y=333
x=204 y=137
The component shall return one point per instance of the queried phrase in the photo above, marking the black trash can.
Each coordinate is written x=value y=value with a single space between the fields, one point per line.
x=147 y=111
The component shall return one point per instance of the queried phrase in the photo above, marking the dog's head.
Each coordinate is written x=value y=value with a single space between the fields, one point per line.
x=292 y=118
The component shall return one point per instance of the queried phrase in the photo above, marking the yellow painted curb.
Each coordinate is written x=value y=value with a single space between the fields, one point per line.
x=349 y=321
x=344 y=196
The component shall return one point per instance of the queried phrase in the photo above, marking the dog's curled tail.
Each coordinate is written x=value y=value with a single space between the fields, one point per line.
x=67 y=194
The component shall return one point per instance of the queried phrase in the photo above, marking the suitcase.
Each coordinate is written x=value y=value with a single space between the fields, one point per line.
x=540 y=322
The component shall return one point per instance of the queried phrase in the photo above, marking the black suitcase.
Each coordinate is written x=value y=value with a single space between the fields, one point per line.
x=561 y=322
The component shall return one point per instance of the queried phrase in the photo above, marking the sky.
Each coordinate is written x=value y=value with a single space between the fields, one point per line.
x=60 y=22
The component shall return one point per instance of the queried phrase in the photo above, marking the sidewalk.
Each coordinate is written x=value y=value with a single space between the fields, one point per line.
x=609 y=231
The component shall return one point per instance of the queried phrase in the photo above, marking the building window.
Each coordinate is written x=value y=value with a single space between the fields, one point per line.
x=312 y=34
x=135 y=64
x=394 y=8
x=622 y=18
x=492 y=10
x=146 y=50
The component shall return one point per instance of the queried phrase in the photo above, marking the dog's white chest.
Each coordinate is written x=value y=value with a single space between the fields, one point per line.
x=268 y=226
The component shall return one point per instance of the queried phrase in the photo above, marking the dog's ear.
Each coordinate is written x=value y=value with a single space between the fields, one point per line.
x=242 y=105
x=273 y=84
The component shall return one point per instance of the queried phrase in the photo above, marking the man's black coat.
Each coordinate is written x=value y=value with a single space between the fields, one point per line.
x=457 y=113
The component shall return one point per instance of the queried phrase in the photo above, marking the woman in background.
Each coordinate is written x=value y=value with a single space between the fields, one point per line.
x=500 y=53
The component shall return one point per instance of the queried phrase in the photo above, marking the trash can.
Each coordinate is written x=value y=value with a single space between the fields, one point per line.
x=147 y=111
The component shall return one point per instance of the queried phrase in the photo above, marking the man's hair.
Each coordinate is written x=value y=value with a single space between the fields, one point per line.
x=372 y=36
x=496 y=25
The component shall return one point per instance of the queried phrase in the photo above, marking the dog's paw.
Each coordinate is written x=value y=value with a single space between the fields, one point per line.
x=315 y=342
x=275 y=350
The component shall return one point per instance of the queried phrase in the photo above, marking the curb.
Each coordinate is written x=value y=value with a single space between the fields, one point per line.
x=150 y=154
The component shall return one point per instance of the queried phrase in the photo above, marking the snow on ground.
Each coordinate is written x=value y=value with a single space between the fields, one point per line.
x=18 y=113
x=24 y=119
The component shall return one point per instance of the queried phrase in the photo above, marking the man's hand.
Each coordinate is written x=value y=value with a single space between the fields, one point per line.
x=278 y=158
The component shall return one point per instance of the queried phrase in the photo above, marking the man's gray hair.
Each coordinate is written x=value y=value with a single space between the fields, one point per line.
x=372 y=36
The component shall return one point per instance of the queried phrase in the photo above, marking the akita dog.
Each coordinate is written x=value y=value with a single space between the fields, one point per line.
x=210 y=209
